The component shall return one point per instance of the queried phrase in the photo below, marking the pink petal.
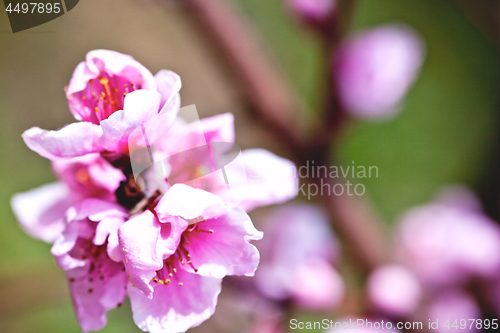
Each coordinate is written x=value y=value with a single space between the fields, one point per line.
x=189 y=203
x=95 y=293
x=40 y=211
x=107 y=229
x=95 y=210
x=112 y=63
x=73 y=140
x=219 y=128
x=89 y=176
x=175 y=309
x=139 y=106
x=271 y=180
x=168 y=84
x=227 y=250
x=145 y=244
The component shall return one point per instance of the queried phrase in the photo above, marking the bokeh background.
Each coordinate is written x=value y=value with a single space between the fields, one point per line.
x=447 y=132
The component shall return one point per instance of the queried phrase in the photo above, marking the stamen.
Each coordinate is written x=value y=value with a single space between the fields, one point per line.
x=180 y=284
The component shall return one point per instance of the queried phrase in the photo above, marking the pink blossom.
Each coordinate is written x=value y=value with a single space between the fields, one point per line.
x=376 y=68
x=177 y=256
x=40 y=211
x=394 y=289
x=88 y=251
x=298 y=253
x=111 y=94
x=448 y=245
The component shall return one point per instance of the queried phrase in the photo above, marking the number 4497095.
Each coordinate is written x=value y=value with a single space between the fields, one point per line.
x=34 y=7
x=471 y=323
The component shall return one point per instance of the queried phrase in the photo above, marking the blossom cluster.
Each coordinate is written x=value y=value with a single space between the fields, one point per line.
x=117 y=233
x=447 y=255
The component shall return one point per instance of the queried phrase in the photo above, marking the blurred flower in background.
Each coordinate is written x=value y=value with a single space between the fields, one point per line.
x=445 y=248
x=375 y=68
x=298 y=254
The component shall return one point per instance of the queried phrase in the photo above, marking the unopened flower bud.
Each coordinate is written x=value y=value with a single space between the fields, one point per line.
x=375 y=69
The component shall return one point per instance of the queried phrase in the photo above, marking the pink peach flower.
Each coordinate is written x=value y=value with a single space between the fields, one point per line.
x=447 y=245
x=176 y=256
x=40 y=211
x=111 y=94
x=297 y=258
x=376 y=68
x=88 y=251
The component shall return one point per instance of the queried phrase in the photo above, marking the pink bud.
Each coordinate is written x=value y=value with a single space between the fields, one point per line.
x=376 y=68
x=394 y=290
x=312 y=11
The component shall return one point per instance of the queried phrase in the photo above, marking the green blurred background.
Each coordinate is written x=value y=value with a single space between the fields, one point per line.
x=448 y=130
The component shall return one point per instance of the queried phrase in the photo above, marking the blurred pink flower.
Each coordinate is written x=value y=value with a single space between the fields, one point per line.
x=111 y=94
x=454 y=306
x=374 y=70
x=88 y=251
x=394 y=289
x=177 y=256
x=40 y=211
x=446 y=244
x=312 y=11
x=297 y=257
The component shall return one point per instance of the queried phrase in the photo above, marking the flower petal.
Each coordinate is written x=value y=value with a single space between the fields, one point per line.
x=94 y=295
x=175 y=309
x=111 y=63
x=219 y=128
x=139 y=106
x=76 y=139
x=40 y=211
x=227 y=250
x=271 y=180
x=189 y=203
x=168 y=84
x=95 y=210
x=145 y=244
x=107 y=229
x=89 y=176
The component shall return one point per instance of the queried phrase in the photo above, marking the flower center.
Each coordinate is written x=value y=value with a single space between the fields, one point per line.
x=101 y=97
x=181 y=257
